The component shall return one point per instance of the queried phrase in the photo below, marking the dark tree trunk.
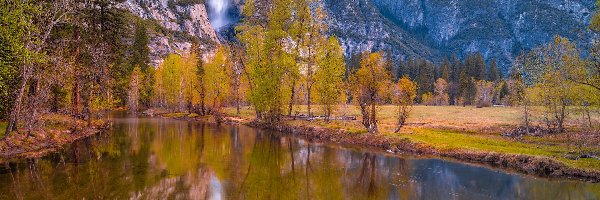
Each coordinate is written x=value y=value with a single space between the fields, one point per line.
x=291 y=105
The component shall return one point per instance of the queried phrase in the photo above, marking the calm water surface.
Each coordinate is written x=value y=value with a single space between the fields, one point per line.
x=143 y=158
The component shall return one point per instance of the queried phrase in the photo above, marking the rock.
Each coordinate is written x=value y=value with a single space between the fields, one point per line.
x=178 y=23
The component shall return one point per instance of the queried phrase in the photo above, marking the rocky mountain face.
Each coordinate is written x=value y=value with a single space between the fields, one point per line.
x=435 y=29
x=176 y=24
x=431 y=29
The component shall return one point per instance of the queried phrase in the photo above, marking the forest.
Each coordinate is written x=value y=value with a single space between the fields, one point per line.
x=75 y=61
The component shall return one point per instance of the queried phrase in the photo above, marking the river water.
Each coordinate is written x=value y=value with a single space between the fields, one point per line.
x=149 y=158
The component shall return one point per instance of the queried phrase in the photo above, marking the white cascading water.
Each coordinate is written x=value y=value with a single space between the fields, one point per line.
x=218 y=13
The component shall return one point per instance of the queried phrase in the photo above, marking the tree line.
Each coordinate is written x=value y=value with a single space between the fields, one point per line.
x=79 y=57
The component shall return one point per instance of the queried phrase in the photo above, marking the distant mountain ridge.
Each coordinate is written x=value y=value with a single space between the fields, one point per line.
x=434 y=29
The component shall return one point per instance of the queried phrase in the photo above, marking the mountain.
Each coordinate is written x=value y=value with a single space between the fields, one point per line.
x=175 y=24
x=435 y=29
x=431 y=29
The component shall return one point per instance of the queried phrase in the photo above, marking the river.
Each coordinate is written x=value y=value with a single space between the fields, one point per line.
x=151 y=158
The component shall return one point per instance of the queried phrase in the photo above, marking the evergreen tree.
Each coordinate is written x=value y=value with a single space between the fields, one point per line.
x=401 y=70
x=139 y=58
x=425 y=79
x=456 y=68
x=140 y=52
x=445 y=71
x=494 y=74
x=466 y=89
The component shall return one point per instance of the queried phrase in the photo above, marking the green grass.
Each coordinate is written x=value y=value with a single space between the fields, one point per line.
x=445 y=140
x=175 y=115
x=452 y=140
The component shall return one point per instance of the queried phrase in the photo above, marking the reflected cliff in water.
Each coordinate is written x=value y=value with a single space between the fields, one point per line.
x=143 y=158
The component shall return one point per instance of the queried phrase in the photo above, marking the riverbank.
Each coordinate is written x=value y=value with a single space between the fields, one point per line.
x=463 y=133
x=522 y=163
x=57 y=131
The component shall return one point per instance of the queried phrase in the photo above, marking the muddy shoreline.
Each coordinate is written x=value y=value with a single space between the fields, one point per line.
x=529 y=165
x=42 y=146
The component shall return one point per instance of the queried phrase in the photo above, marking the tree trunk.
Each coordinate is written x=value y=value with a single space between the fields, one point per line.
x=526 y=112
x=290 y=107
x=561 y=116
x=327 y=113
x=76 y=103
x=308 y=100
x=16 y=108
x=373 y=119
x=202 y=104
x=365 y=114
x=589 y=118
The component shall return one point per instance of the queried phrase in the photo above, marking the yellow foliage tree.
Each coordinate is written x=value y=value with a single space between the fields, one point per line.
x=175 y=82
x=404 y=97
x=370 y=84
x=217 y=80
x=329 y=77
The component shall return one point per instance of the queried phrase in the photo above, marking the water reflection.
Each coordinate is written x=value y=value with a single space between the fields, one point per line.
x=168 y=159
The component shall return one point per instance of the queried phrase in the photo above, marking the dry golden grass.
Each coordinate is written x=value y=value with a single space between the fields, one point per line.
x=490 y=120
x=446 y=117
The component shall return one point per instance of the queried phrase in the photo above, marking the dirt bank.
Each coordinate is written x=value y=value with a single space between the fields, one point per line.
x=531 y=165
x=40 y=142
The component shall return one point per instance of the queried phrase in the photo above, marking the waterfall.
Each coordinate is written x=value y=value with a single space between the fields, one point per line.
x=218 y=13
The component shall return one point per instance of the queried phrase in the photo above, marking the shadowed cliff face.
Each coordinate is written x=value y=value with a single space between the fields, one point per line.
x=436 y=28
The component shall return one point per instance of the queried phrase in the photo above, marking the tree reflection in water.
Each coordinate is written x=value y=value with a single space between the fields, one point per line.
x=164 y=159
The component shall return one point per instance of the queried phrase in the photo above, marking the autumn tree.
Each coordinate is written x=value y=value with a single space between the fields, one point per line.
x=370 y=83
x=239 y=84
x=309 y=31
x=135 y=86
x=552 y=69
x=404 y=97
x=267 y=57
x=16 y=33
x=329 y=77
x=175 y=83
x=440 y=97
x=484 y=94
x=518 y=91
x=217 y=80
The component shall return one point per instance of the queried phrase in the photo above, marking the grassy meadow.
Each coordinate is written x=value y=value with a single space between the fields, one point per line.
x=467 y=128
